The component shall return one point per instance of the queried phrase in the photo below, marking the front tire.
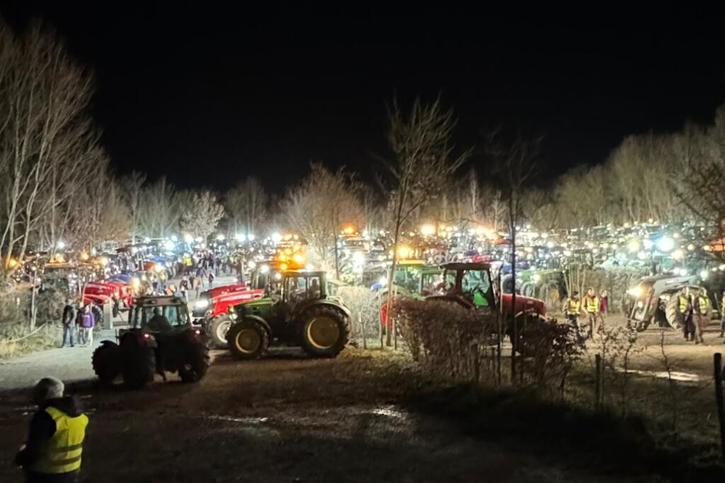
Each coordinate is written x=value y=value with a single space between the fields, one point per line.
x=106 y=362
x=248 y=339
x=196 y=364
x=218 y=330
x=325 y=332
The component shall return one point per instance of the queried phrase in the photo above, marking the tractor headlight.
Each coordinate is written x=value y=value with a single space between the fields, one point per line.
x=201 y=304
x=635 y=292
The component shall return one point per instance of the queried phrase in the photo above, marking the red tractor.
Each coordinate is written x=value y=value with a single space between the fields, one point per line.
x=212 y=308
x=470 y=284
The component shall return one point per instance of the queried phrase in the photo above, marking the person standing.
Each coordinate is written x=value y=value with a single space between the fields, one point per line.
x=603 y=308
x=591 y=308
x=684 y=314
x=572 y=309
x=54 y=447
x=211 y=278
x=701 y=311
x=86 y=322
x=69 y=322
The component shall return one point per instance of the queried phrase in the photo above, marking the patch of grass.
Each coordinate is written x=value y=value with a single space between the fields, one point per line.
x=13 y=340
x=571 y=434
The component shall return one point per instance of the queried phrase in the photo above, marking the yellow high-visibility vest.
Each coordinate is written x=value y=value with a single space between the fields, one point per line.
x=573 y=307
x=591 y=304
x=683 y=301
x=62 y=452
x=703 y=304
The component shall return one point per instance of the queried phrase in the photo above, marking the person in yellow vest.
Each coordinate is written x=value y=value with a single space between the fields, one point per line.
x=590 y=305
x=701 y=311
x=684 y=313
x=53 y=450
x=572 y=309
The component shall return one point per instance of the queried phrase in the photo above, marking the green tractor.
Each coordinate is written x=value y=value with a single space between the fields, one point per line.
x=298 y=313
x=413 y=279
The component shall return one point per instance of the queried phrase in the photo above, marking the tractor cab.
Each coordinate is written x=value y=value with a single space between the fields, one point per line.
x=470 y=282
x=159 y=314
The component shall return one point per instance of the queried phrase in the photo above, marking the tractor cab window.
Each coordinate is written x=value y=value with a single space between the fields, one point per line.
x=431 y=283
x=315 y=286
x=408 y=278
x=295 y=288
x=449 y=282
x=161 y=318
x=476 y=285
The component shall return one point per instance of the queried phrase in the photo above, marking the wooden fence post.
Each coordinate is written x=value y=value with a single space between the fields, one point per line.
x=717 y=363
x=598 y=379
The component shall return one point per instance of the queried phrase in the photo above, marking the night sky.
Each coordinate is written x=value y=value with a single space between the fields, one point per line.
x=207 y=93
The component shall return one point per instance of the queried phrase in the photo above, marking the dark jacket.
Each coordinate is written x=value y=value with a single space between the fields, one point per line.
x=69 y=315
x=42 y=428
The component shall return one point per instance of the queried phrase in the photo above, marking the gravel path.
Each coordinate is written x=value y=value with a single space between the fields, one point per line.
x=68 y=364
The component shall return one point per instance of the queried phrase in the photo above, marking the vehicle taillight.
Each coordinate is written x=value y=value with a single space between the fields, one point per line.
x=147 y=336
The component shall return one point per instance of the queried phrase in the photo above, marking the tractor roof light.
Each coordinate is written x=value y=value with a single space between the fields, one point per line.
x=704 y=274
x=278 y=276
x=633 y=246
x=427 y=229
x=264 y=268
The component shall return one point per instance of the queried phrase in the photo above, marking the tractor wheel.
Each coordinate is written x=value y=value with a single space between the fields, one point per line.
x=106 y=362
x=218 y=328
x=138 y=363
x=248 y=339
x=671 y=312
x=326 y=331
x=196 y=364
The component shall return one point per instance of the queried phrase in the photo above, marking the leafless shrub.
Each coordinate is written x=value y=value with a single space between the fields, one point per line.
x=446 y=339
x=363 y=304
x=549 y=351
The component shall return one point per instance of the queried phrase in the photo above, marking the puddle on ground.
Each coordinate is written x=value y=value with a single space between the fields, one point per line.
x=675 y=375
x=231 y=419
x=389 y=411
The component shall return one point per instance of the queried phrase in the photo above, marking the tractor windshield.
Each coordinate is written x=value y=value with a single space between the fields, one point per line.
x=408 y=278
x=476 y=283
x=301 y=288
x=160 y=318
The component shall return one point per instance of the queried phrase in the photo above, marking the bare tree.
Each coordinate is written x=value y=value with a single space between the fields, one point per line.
x=44 y=127
x=246 y=206
x=159 y=209
x=515 y=163
x=319 y=206
x=423 y=159
x=202 y=217
x=132 y=186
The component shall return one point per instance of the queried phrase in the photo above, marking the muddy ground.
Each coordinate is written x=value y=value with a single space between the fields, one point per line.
x=287 y=419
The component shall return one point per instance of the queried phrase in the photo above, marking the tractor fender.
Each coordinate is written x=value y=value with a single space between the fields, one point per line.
x=260 y=321
x=327 y=303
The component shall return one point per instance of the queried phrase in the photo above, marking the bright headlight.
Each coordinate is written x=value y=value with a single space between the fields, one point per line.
x=536 y=278
x=201 y=304
x=635 y=292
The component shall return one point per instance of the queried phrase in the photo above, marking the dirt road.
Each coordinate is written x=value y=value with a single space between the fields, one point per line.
x=68 y=364
x=283 y=419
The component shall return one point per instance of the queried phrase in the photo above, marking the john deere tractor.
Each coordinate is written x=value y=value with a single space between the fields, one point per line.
x=160 y=339
x=298 y=312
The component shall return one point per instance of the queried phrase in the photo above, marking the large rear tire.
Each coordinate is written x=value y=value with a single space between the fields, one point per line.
x=218 y=329
x=325 y=331
x=194 y=368
x=138 y=363
x=106 y=362
x=248 y=339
